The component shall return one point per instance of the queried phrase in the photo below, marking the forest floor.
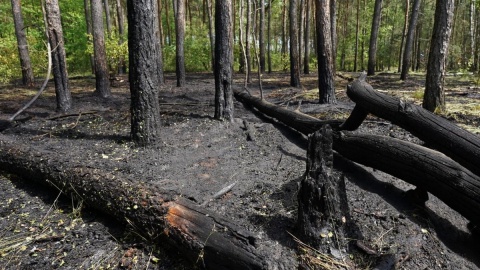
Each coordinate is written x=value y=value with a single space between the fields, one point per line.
x=198 y=156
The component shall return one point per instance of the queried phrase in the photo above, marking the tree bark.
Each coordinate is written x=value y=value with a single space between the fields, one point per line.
x=326 y=83
x=405 y=27
x=102 y=80
x=420 y=166
x=306 y=42
x=261 y=36
x=180 y=39
x=210 y=31
x=407 y=53
x=121 y=32
x=88 y=21
x=372 y=49
x=162 y=215
x=333 y=32
x=434 y=97
x=437 y=132
x=59 y=60
x=269 y=37
x=322 y=199
x=223 y=60
x=294 y=53
x=247 y=42
x=357 y=30
x=144 y=71
x=108 y=21
x=25 y=63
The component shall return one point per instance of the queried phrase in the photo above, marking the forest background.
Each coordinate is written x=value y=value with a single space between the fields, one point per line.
x=353 y=27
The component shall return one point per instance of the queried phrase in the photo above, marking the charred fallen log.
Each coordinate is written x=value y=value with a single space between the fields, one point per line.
x=428 y=169
x=437 y=132
x=203 y=237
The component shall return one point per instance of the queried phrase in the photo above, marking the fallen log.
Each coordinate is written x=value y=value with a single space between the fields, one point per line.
x=301 y=122
x=436 y=131
x=428 y=169
x=425 y=168
x=204 y=237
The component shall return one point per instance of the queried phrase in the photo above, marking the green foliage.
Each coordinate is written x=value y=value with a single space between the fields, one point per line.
x=116 y=48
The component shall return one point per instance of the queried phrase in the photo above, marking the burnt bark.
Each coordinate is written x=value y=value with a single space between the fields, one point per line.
x=407 y=53
x=434 y=98
x=180 y=40
x=326 y=84
x=88 y=22
x=144 y=71
x=372 y=49
x=223 y=60
x=322 y=198
x=25 y=63
x=205 y=238
x=428 y=169
x=59 y=59
x=294 y=52
x=102 y=80
x=437 y=132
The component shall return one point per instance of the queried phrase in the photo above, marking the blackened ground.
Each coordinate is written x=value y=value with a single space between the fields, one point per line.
x=199 y=156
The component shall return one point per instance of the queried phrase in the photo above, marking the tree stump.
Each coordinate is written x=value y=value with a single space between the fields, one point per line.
x=322 y=200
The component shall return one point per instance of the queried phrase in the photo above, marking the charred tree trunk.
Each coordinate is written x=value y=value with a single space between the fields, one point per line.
x=322 y=198
x=326 y=83
x=180 y=40
x=203 y=237
x=407 y=53
x=294 y=54
x=224 y=60
x=372 y=49
x=25 y=63
x=144 y=71
x=434 y=98
x=88 y=22
x=59 y=59
x=101 y=70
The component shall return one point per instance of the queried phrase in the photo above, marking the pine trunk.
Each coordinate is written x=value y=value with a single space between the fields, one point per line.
x=101 y=70
x=27 y=71
x=434 y=97
x=144 y=71
x=59 y=59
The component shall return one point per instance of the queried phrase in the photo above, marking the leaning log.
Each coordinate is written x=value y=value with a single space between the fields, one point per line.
x=204 y=237
x=437 y=132
x=428 y=169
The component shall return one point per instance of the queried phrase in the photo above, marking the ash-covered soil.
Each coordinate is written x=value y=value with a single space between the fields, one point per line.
x=198 y=156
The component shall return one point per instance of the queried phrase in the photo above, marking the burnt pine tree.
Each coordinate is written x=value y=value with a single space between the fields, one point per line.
x=372 y=49
x=180 y=38
x=143 y=47
x=407 y=52
x=26 y=65
x=326 y=85
x=294 y=50
x=59 y=60
x=434 y=97
x=102 y=81
x=223 y=60
x=88 y=22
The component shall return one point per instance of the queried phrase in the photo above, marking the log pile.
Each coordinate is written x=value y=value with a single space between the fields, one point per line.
x=450 y=171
